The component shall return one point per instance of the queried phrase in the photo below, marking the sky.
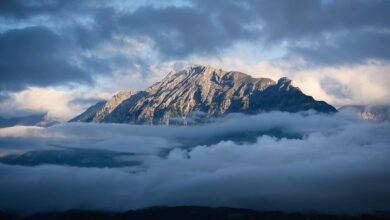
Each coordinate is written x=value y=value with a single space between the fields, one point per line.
x=59 y=57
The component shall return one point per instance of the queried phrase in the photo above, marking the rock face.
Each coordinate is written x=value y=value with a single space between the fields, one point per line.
x=198 y=93
x=375 y=113
x=101 y=110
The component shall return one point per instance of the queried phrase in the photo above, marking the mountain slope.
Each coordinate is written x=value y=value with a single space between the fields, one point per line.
x=90 y=113
x=375 y=113
x=199 y=92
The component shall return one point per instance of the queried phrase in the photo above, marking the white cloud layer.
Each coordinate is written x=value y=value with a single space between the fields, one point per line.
x=327 y=163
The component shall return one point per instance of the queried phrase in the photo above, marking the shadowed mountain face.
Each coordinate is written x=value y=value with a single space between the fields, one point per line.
x=199 y=92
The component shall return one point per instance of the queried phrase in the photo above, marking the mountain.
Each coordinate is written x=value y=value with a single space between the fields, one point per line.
x=199 y=92
x=102 y=109
x=375 y=113
x=27 y=120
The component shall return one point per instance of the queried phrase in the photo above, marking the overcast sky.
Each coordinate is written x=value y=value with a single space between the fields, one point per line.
x=65 y=55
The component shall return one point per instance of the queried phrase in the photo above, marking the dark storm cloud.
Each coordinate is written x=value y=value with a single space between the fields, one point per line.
x=328 y=32
x=176 y=32
x=19 y=9
x=306 y=18
x=205 y=27
x=179 y=32
x=340 y=165
x=348 y=47
x=323 y=32
x=36 y=56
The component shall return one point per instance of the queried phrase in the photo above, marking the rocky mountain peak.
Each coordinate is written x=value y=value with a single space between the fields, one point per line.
x=199 y=69
x=111 y=104
x=285 y=84
x=284 y=81
x=205 y=89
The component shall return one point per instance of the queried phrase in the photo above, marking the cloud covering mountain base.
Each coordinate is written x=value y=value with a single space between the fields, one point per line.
x=270 y=161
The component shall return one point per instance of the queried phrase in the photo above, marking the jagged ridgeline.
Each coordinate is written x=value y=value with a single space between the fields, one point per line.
x=198 y=93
